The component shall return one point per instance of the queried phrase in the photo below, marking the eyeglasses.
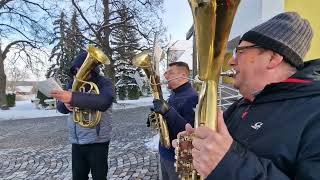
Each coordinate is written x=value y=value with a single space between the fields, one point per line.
x=239 y=50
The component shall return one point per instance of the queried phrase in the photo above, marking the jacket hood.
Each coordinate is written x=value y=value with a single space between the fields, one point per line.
x=304 y=83
x=311 y=70
x=78 y=61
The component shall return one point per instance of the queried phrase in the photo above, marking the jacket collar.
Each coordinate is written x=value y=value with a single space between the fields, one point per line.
x=304 y=83
x=181 y=88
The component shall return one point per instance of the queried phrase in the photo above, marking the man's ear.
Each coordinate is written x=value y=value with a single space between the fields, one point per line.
x=275 y=60
x=186 y=75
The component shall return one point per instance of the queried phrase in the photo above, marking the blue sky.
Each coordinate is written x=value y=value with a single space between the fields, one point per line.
x=177 y=18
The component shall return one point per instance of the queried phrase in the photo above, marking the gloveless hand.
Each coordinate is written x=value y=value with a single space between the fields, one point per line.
x=64 y=96
x=209 y=147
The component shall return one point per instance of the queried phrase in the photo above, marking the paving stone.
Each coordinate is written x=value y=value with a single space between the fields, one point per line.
x=38 y=148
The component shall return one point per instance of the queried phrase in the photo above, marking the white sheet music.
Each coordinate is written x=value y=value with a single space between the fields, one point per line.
x=157 y=56
x=48 y=85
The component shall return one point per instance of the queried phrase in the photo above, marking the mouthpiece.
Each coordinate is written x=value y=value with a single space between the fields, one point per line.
x=164 y=82
x=167 y=81
x=229 y=73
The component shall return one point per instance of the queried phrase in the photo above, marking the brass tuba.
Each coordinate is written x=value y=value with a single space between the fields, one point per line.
x=212 y=24
x=86 y=117
x=143 y=60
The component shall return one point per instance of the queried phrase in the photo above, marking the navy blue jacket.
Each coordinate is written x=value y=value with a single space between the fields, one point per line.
x=182 y=102
x=277 y=136
x=101 y=102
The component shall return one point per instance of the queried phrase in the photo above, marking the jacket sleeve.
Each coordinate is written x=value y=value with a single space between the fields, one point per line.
x=308 y=158
x=99 y=102
x=62 y=108
x=241 y=164
x=60 y=105
x=177 y=120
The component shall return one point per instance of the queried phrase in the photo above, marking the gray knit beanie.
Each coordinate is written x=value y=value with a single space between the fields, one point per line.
x=287 y=34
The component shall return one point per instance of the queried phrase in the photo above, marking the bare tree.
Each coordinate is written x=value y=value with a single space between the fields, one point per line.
x=102 y=17
x=16 y=73
x=23 y=31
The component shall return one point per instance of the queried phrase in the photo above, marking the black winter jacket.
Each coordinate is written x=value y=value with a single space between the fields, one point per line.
x=277 y=136
x=182 y=102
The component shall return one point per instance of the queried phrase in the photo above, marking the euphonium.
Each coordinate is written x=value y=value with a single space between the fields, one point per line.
x=212 y=24
x=143 y=60
x=85 y=117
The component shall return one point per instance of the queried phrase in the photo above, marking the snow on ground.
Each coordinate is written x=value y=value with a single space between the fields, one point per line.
x=153 y=143
x=25 y=109
x=125 y=104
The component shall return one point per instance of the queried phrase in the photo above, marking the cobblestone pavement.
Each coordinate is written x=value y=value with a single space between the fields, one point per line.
x=37 y=148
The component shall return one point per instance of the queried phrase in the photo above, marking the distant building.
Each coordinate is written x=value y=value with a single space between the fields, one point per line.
x=181 y=50
x=24 y=90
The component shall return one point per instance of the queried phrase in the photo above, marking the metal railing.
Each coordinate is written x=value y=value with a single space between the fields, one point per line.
x=227 y=95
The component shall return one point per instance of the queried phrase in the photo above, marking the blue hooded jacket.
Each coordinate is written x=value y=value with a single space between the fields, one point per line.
x=101 y=102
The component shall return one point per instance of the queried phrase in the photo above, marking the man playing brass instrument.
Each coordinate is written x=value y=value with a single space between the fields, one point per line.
x=89 y=145
x=177 y=112
x=273 y=131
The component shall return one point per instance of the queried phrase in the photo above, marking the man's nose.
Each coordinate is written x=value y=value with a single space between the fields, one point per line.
x=232 y=61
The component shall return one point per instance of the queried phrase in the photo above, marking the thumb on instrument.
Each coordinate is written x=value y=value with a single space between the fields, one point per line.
x=189 y=128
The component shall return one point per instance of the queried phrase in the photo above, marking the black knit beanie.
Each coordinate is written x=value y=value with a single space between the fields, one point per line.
x=287 y=34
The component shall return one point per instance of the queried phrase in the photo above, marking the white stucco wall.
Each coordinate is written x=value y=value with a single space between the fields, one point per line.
x=253 y=12
x=250 y=13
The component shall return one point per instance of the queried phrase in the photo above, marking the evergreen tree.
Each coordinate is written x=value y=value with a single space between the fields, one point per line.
x=58 y=53
x=69 y=43
x=125 y=41
x=74 y=41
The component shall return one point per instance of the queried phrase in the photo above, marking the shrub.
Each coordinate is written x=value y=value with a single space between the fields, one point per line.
x=133 y=92
x=122 y=93
x=42 y=97
x=11 y=99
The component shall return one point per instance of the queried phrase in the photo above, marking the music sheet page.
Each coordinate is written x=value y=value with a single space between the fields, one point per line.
x=48 y=85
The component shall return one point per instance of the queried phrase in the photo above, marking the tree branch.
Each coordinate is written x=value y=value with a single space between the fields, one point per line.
x=7 y=48
x=84 y=18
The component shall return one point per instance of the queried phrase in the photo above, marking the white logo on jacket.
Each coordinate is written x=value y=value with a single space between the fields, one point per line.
x=257 y=125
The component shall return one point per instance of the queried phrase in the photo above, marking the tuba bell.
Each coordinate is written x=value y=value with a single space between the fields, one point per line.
x=85 y=117
x=143 y=61
x=212 y=22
